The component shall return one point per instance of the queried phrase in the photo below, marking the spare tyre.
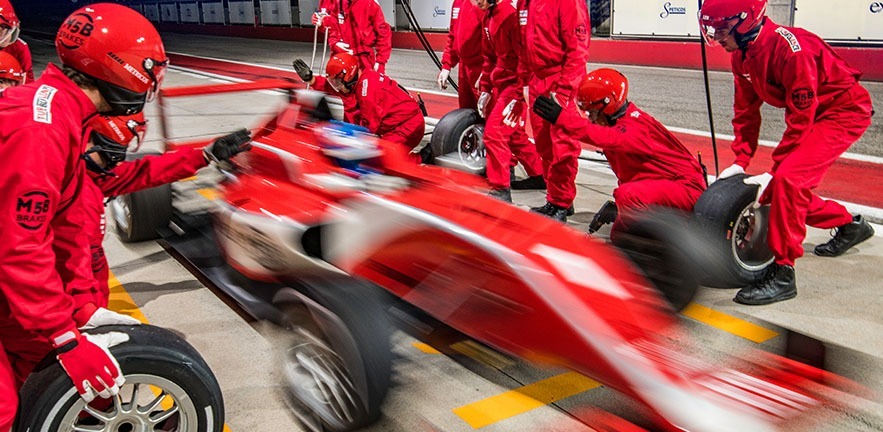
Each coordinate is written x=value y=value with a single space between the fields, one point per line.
x=168 y=387
x=139 y=215
x=725 y=213
x=459 y=136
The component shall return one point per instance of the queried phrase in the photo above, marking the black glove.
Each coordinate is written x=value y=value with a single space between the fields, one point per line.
x=303 y=71
x=227 y=146
x=547 y=108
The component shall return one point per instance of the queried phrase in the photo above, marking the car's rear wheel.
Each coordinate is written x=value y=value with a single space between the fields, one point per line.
x=169 y=387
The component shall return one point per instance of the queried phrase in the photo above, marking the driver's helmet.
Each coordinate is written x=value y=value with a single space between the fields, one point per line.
x=348 y=145
x=742 y=18
x=117 y=47
x=11 y=72
x=113 y=136
x=9 y=24
x=605 y=90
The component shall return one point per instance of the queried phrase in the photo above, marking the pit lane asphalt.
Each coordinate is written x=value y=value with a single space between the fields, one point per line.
x=840 y=300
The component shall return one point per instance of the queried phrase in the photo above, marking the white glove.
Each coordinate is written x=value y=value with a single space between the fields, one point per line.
x=345 y=47
x=442 y=78
x=376 y=66
x=318 y=18
x=762 y=181
x=483 y=99
x=103 y=317
x=731 y=171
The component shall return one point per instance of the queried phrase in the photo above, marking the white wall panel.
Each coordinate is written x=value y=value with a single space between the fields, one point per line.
x=306 y=8
x=275 y=12
x=168 y=12
x=852 y=20
x=433 y=14
x=669 y=18
x=241 y=12
x=151 y=11
x=212 y=13
x=189 y=13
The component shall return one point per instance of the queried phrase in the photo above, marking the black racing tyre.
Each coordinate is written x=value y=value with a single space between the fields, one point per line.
x=139 y=215
x=459 y=134
x=662 y=247
x=168 y=387
x=725 y=214
x=339 y=362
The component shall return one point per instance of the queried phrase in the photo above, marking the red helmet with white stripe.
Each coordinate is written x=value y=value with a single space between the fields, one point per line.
x=742 y=18
x=9 y=24
x=10 y=69
x=112 y=136
x=604 y=90
x=119 y=48
x=342 y=71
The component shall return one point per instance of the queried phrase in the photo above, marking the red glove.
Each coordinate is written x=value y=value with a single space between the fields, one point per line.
x=88 y=362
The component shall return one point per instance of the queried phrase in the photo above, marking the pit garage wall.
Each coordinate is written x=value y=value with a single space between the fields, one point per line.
x=642 y=32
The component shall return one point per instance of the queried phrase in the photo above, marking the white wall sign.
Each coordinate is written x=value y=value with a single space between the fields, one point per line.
x=849 y=20
x=433 y=14
x=275 y=12
x=241 y=12
x=189 y=13
x=669 y=18
x=151 y=11
x=212 y=12
x=168 y=12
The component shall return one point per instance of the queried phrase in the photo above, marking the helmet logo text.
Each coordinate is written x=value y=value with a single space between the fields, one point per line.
x=74 y=31
x=129 y=68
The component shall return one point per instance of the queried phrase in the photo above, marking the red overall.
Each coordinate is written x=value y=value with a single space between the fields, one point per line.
x=498 y=79
x=129 y=177
x=826 y=110
x=553 y=59
x=652 y=167
x=388 y=110
x=360 y=24
x=464 y=48
x=20 y=50
x=43 y=248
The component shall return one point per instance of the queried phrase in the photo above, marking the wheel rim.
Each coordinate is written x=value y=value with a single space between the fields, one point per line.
x=749 y=239
x=470 y=148
x=122 y=215
x=319 y=380
x=146 y=403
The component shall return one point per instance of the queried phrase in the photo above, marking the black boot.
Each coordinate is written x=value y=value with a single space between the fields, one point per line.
x=847 y=236
x=502 y=194
x=531 y=183
x=552 y=211
x=778 y=284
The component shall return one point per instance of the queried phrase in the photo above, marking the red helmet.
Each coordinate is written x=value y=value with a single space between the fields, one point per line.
x=342 y=71
x=9 y=24
x=119 y=48
x=10 y=68
x=112 y=136
x=605 y=90
x=739 y=16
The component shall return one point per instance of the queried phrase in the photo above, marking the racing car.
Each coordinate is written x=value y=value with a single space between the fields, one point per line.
x=319 y=216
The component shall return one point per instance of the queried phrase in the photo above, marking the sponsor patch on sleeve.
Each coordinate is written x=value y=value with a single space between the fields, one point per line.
x=43 y=103
x=581 y=32
x=802 y=98
x=522 y=17
x=32 y=209
x=790 y=38
x=455 y=12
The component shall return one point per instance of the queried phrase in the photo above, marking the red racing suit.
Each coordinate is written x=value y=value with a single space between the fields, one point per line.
x=128 y=177
x=43 y=249
x=652 y=167
x=20 y=50
x=554 y=49
x=498 y=79
x=464 y=48
x=826 y=111
x=360 y=24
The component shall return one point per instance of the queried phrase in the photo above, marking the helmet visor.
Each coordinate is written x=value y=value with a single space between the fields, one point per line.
x=157 y=71
x=715 y=30
x=8 y=35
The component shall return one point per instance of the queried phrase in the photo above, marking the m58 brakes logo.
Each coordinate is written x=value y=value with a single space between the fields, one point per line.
x=32 y=210
x=75 y=30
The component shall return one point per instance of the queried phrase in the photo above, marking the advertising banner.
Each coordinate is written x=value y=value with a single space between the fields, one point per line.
x=275 y=12
x=241 y=12
x=663 y=18
x=189 y=13
x=151 y=12
x=168 y=12
x=850 y=20
x=305 y=9
x=212 y=13
x=433 y=14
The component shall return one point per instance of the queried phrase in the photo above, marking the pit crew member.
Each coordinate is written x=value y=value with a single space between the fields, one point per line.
x=10 y=42
x=359 y=28
x=463 y=48
x=11 y=72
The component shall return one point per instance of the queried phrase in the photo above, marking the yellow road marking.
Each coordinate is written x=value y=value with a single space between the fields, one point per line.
x=523 y=399
x=191 y=178
x=482 y=354
x=425 y=348
x=209 y=193
x=728 y=323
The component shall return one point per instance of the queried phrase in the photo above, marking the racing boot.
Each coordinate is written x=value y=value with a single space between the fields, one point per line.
x=502 y=194
x=552 y=211
x=531 y=183
x=778 y=284
x=847 y=236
